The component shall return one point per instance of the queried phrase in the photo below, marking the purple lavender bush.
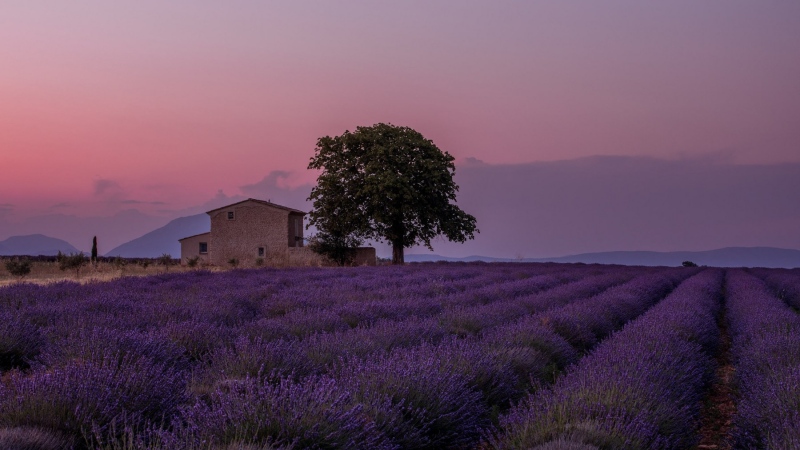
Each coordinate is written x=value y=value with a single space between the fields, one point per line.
x=21 y=342
x=784 y=284
x=642 y=388
x=585 y=322
x=418 y=398
x=765 y=334
x=421 y=356
x=312 y=413
x=91 y=401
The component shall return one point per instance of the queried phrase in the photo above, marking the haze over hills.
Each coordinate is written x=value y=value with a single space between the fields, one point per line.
x=724 y=257
x=35 y=245
x=163 y=240
x=111 y=230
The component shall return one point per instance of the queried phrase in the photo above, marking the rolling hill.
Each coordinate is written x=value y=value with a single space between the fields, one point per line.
x=35 y=245
x=163 y=240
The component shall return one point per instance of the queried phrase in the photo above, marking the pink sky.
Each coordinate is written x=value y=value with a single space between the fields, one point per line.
x=156 y=106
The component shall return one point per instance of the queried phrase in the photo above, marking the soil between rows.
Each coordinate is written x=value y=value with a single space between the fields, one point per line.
x=719 y=407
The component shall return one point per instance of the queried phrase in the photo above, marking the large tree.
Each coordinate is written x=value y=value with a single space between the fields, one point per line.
x=387 y=183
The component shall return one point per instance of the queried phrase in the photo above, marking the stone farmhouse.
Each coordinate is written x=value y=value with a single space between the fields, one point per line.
x=257 y=232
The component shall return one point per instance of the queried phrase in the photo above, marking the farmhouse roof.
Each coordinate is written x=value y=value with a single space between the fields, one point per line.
x=263 y=202
x=194 y=235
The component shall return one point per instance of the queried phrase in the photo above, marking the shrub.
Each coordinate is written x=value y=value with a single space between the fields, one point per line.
x=165 y=260
x=341 y=250
x=193 y=261
x=119 y=263
x=18 y=267
x=145 y=263
x=688 y=264
x=72 y=261
x=234 y=262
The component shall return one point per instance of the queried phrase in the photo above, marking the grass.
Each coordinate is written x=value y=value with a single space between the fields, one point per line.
x=47 y=272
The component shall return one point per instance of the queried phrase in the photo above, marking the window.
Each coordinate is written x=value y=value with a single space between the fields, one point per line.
x=203 y=247
x=230 y=215
x=260 y=252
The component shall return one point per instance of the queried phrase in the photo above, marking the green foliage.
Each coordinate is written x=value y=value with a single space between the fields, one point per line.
x=233 y=262
x=193 y=261
x=259 y=262
x=340 y=249
x=18 y=267
x=72 y=261
x=389 y=183
x=145 y=263
x=688 y=264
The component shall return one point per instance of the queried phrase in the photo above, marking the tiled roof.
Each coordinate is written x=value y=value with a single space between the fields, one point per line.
x=194 y=235
x=263 y=202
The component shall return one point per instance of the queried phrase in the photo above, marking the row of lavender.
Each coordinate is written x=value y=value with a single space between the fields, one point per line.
x=765 y=334
x=427 y=355
x=784 y=284
x=427 y=396
x=641 y=389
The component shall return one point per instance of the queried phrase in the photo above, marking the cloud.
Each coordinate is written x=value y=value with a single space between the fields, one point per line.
x=626 y=203
x=273 y=181
x=471 y=161
x=544 y=209
x=277 y=187
x=220 y=199
x=104 y=186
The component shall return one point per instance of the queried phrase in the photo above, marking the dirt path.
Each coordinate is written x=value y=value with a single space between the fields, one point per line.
x=719 y=407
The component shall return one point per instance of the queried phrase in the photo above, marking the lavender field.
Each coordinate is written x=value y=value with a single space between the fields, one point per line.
x=425 y=356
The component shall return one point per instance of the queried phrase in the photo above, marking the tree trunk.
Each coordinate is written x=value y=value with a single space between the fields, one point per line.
x=397 y=254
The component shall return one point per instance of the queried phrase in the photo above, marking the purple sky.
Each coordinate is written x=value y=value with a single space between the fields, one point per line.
x=147 y=110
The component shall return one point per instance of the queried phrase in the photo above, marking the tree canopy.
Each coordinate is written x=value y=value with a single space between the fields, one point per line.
x=387 y=183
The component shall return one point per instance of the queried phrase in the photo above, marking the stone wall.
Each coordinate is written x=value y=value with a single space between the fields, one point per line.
x=190 y=248
x=366 y=256
x=243 y=231
x=253 y=226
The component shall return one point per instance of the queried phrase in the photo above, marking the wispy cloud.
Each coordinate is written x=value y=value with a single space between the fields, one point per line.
x=273 y=181
x=470 y=161
x=104 y=186
x=277 y=187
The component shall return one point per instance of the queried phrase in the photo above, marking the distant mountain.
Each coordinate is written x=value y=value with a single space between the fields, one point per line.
x=164 y=239
x=724 y=257
x=35 y=245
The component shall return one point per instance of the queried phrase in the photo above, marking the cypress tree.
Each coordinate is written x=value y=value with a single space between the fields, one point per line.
x=94 y=250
